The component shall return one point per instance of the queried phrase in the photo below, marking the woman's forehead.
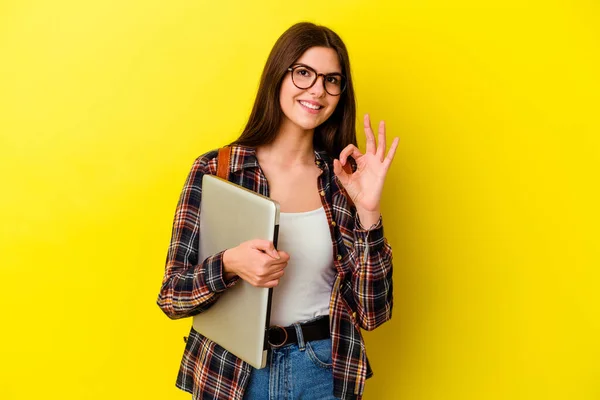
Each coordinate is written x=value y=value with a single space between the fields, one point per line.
x=322 y=59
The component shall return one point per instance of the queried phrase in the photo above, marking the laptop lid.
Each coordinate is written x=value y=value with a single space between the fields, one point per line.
x=239 y=319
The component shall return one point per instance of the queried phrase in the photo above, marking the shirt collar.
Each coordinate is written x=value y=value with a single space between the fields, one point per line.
x=243 y=157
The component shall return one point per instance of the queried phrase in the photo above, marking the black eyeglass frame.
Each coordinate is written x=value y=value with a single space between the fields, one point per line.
x=317 y=75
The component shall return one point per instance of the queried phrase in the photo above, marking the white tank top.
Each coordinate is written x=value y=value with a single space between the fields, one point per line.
x=304 y=290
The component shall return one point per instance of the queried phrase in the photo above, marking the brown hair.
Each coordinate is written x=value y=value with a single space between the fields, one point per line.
x=265 y=119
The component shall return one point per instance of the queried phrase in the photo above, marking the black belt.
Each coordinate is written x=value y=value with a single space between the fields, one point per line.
x=278 y=336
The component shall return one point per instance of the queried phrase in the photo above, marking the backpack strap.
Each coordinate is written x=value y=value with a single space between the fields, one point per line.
x=223 y=162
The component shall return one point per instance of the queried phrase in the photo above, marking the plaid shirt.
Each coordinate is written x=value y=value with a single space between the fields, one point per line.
x=361 y=296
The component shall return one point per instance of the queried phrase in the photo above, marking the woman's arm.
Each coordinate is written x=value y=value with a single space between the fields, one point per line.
x=370 y=254
x=372 y=283
x=189 y=287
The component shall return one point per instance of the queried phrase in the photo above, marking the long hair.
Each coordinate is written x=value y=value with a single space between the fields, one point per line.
x=265 y=119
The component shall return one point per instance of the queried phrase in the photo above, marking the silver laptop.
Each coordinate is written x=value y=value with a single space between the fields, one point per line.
x=239 y=319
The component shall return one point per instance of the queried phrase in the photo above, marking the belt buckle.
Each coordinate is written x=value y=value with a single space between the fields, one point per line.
x=273 y=328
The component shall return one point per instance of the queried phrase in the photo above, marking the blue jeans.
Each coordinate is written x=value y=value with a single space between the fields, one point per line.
x=294 y=371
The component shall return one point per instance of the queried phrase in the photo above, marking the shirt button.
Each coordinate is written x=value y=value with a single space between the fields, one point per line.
x=322 y=193
x=338 y=257
x=332 y=223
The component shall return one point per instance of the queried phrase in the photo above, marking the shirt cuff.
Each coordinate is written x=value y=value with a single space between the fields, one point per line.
x=371 y=238
x=213 y=274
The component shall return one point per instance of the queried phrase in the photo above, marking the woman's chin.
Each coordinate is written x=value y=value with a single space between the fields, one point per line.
x=307 y=124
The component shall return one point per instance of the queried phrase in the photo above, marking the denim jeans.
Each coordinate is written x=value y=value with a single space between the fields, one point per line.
x=294 y=371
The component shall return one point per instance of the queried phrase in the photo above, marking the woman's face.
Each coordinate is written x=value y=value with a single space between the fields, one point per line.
x=309 y=108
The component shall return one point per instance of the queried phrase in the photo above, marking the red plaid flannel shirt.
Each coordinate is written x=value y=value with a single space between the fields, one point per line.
x=361 y=296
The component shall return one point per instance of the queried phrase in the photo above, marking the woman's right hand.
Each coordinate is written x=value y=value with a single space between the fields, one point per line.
x=255 y=261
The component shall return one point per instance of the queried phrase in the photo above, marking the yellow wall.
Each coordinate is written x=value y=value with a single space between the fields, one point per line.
x=491 y=206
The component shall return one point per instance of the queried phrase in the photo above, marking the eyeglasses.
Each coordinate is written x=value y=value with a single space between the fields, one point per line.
x=304 y=77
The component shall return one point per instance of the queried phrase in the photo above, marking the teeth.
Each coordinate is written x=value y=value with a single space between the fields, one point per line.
x=314 y=107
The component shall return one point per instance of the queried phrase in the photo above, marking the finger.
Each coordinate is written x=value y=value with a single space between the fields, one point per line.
x=283 y=258
x=271 y=284
x=339 y=171
x=277 y=274
x=271 y=280
x=381 y=141
x=390 y=156
x=371 y=146
x=350 y=150
x=275 y=265
x=266 y=246
x=263 y=283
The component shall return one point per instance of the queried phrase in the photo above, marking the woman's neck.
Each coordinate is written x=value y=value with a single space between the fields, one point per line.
x=292 y=147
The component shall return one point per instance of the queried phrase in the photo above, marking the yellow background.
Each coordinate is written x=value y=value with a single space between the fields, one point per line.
x=491 y=205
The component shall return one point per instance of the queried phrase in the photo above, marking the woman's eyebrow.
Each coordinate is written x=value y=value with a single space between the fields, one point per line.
x=304 y=65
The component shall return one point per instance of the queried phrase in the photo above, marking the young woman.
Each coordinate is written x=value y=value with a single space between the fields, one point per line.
x=332 y=273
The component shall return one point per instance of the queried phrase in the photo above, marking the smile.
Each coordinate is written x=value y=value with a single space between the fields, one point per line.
x=312 y=108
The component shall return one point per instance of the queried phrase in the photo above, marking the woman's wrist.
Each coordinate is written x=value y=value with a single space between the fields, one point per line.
x=228 y=272
x=368 y=218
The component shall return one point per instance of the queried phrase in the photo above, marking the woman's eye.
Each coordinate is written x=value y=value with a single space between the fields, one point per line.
x=333 y=80
x=303 y=72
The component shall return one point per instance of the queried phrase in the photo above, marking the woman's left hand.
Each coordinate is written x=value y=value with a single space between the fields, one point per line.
x=365 y=185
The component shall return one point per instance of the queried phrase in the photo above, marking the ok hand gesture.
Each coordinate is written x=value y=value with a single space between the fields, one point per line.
x=365 y=185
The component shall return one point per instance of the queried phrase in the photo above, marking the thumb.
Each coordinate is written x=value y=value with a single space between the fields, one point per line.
x=272 y=251
x=339 y=171
x=265 y=246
